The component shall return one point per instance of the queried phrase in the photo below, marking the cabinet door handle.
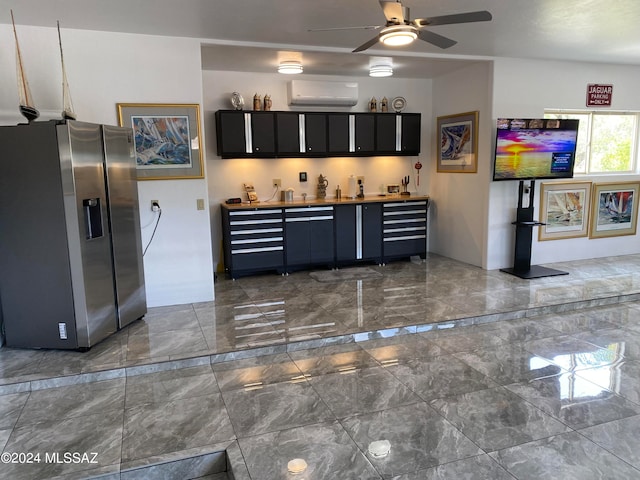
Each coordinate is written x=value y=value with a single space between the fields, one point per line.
x=302 y=132
x=359 y=232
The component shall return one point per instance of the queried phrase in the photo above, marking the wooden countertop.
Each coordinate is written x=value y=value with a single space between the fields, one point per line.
x=327 y=201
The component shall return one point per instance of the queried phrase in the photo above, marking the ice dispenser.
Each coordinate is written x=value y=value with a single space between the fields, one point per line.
x=92 y=217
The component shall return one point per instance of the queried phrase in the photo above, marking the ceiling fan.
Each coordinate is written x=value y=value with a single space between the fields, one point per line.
x=401 y=30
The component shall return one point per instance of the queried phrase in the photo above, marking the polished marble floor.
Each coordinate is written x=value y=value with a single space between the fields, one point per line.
x=467 y=373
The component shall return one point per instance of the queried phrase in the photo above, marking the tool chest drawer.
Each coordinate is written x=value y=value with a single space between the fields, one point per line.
x=254 y=240
x=404 y=228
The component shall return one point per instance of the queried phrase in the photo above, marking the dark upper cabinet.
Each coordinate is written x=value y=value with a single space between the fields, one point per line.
x=410 y=133
x=245 y=134
x=288 y=133
x=301 y=134
x=316 y=134
x=364 y=133
x=398 y=134
x=338 y=133
x=386 y=133
x=230 y=133
x=263 y=139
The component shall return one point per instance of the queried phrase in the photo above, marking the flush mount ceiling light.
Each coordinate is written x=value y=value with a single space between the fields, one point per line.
x=380 y=71
x=290 y=67
x=397 y=35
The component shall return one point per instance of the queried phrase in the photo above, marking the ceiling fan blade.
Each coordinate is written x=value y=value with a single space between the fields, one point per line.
x=393 y=11
x=435 y=39
x=366 y=45
x=364 y=27
x=469 y=17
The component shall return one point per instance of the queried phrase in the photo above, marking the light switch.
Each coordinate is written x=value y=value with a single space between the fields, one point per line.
x=200 y=203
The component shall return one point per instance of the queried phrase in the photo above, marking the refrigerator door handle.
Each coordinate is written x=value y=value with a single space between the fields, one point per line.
x=92 y=218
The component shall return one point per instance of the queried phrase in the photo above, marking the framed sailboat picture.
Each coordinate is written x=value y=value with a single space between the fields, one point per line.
x=614 y=210
x=564 y=210
x=457 y=145
x=167 y=139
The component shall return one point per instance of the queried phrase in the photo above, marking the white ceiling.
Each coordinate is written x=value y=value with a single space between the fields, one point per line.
x=246 y=35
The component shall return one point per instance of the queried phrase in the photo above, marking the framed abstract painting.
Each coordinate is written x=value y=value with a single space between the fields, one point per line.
x=167 y=139
x=614 y=210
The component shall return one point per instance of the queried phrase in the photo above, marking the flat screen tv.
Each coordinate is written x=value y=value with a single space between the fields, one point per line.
x=531 y=149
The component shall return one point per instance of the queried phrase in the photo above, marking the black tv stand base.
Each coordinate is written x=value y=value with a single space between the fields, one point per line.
x=535 y=271
x=524 y=235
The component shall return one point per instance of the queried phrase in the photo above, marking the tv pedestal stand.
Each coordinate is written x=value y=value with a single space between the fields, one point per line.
x=524 y=234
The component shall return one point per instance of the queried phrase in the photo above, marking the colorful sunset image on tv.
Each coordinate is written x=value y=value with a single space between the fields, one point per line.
x=532 y=153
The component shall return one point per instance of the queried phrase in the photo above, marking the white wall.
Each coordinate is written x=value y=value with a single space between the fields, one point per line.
x=108 y=68
x=459 y=211
x=225 y=177
x=524 y=88
x=471 y=216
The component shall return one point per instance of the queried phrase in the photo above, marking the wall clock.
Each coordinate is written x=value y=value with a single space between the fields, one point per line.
x=398 y=104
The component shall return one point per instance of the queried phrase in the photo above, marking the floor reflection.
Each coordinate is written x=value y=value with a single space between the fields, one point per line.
x=598 y=372
x=453 y=371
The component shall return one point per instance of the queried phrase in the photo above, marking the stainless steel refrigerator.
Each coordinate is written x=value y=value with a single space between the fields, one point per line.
x=71 y=270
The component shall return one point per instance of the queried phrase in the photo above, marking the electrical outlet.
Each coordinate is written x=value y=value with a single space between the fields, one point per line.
x=277 y=182
x=155 y=205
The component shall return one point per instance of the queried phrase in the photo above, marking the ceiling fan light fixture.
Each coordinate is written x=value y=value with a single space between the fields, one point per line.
x=290 y=67
x=398 y=35
x=380 y=71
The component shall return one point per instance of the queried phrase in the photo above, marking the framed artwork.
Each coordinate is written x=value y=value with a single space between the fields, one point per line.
x=564 y=210
x=458 y=145
x=614 y=211
x=167 y=139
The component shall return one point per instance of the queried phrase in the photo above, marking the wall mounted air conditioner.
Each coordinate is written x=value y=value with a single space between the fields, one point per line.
x=307 y=92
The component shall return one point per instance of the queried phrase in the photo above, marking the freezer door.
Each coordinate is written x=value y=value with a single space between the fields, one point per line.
x=122 y=190
x=85 y=205
x=35 y=281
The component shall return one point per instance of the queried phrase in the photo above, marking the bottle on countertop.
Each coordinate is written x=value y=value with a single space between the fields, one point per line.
x=338 y=193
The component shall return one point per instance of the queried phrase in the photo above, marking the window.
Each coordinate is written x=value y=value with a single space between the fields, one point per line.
x=607 y=142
